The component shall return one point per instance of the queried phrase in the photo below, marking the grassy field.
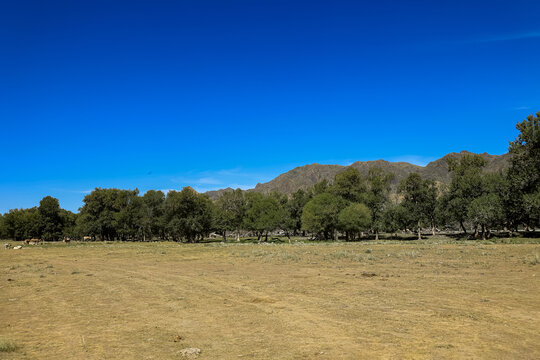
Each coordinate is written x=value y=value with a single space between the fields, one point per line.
x=434 y=299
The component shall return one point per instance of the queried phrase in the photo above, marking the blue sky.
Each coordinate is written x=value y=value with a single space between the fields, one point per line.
x=164 y=94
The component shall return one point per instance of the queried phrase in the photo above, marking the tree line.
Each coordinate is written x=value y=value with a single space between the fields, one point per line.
x=350 y=206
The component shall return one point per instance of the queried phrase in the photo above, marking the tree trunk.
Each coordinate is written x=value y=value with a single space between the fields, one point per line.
x=335 y=235
x=266 y=237
x=376 y=236
x=224 y=235
x=483 y=232
x=237 y=235
x=463 y=227
x=419 y=231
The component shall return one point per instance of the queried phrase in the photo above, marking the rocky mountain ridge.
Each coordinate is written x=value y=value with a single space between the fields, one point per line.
x=305 y=176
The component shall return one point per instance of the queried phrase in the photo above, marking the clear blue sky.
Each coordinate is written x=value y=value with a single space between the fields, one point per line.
x=163 y=94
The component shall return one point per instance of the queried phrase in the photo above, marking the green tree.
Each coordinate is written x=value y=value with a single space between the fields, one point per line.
x=231 y=209
x=531 y=206
x=263 y=214
x=350 y=185
x=431 y=205
x=485 y=211
x=466 y=185
x=524 y=174
x=130 y=213
x=377 y=196
x=321 y=187
x=155 y=214
x=69 y=221
x=418 y=200
x=295 y=207
x=48 y=222
x=320 y=215
x=20 y=224
x=396 y=217
x=354 y=219
x=3 y=227
x=97 y=215
x=189 y=215
x=51 y=225
x=286 y=210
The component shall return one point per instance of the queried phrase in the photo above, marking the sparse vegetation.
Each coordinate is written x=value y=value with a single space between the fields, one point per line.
x=240 y=298
x=7 y=346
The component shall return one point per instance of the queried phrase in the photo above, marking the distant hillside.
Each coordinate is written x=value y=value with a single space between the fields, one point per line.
x=438 y=169
x=305 y=176
x=215 y=194
x=300 y=178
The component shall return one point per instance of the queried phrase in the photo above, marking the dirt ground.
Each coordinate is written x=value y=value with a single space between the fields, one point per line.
x=246 y=301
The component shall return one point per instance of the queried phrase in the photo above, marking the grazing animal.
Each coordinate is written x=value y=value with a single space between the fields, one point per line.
x=17 y=247
x=87 y=238
x=7 y=246
x=66 y=240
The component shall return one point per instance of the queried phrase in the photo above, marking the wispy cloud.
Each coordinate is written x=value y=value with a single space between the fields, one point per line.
x=507 y=37
x=209 y=181
x=522 y=108
x=208 y=177
x=73 y=191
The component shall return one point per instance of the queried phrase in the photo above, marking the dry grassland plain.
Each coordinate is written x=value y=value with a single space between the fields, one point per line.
x=434 y=299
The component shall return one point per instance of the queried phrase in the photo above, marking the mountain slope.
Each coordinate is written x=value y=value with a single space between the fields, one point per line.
x=300 y=178
x=438 y=170
x=305 y=176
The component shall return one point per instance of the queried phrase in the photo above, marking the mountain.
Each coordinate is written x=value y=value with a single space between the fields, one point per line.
x=215 y=194
x=438 y=170
x=305 y=176
x=300 y=178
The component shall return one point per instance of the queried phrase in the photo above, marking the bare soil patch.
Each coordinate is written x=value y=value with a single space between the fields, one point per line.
x=303 y=301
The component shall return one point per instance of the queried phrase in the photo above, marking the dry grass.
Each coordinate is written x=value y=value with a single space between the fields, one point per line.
x=303 y=301
x=7 y=346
